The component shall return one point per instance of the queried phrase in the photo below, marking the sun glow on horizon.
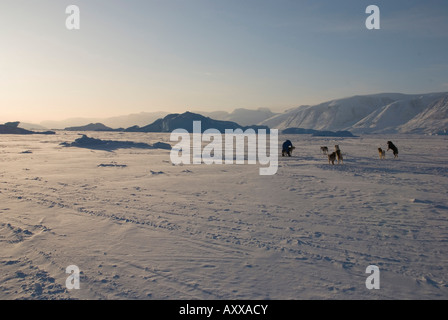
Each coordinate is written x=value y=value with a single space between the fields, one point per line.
x=175 y=56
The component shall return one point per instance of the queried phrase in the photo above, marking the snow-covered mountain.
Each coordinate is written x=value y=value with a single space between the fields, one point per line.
x=433 y=119
x=378 y=113
x=242 y=116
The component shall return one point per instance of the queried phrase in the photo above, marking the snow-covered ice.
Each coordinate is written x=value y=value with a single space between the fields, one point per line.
x=139 y=227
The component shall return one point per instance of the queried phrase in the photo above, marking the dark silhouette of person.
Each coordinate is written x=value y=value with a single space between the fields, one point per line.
x=287 y=148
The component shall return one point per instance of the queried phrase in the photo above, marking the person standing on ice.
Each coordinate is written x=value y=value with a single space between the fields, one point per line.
x=287 y=148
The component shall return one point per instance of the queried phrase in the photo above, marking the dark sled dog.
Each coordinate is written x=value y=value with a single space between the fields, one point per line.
x=391 y=146
x=338 y=154
x=324 y=150
x=332 y=158
x=287 y=148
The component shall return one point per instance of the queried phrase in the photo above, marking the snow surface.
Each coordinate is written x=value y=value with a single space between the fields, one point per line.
x=139 y=227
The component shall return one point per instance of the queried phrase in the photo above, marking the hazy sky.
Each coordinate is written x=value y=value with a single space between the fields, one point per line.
x=175 y=55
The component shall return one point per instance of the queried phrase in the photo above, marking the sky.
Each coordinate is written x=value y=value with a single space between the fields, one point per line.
x=133 y=56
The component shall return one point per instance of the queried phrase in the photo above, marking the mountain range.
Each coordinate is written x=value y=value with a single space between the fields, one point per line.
x=125 y=121
x=244 y=117
x=375 y=113
x=378 y=113
x=185 y=121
